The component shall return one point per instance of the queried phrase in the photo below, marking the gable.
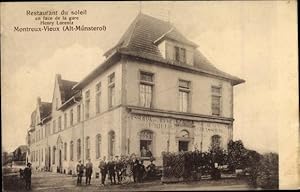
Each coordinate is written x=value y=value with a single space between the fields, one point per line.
x=63 y=91
x=56 y=99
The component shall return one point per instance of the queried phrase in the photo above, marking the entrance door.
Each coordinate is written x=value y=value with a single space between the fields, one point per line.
x=60 y=163
x=183 y=146
x=49 y=160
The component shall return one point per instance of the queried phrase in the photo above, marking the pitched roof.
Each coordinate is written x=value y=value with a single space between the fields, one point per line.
x=141 y=38
x=175 y=35
x=66 y=90
x=145 y=31
x=142 y=33
x=45 y=109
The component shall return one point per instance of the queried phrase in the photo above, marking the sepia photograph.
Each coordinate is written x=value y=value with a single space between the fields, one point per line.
x=149 y=96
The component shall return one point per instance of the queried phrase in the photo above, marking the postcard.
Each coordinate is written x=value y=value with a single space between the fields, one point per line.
x=155 y=96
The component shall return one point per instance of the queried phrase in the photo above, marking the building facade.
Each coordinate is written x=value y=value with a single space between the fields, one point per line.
x=155 y=92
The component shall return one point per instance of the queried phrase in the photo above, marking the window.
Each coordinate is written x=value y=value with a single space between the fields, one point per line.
x=42 y=132
x=180 y=54
x=183 y=141
x=65 y=121
x=98 y=145
x=87 y=147
x=146 y=138
x=46 y=130
x=98 y=97
x=87 y=104
x=146 y=89
x=37 y=135
x=215 y=142
x=71 y=117
x=78 y=149
x=184 y=90
x=78 y=113
x=111 y=144
x=216 y=100
x=111 y=90
x=71 y=150
x=53 y=155
x=42 y=156
x=49 y=129
x=59 y=123
x=65 y=151
x=54 y=126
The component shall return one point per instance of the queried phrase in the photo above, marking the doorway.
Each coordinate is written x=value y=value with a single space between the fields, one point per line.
x=183 y=146
x=59 y=161
x=49 y=158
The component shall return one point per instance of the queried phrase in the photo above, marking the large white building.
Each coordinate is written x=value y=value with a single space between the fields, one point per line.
x=154 y=92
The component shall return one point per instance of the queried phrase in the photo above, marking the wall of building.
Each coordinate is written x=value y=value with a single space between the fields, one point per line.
x=109 y=119
x=165 y=91
x=166 y=133
x=103 y=78
x=128 y=126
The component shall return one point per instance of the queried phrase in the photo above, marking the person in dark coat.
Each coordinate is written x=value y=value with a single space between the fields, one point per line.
x=141 y=171
x=149 y=153
x=27 y=176
x=135 y=169
x=103 y=170
x=79 y=170
x=119 y=169
x=112 y=171
x=88 y=172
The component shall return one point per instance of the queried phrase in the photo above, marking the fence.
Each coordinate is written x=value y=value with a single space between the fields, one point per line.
x=190 y=166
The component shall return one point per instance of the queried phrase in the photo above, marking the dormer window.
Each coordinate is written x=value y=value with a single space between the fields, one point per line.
x=176 y=52
x=180 y=54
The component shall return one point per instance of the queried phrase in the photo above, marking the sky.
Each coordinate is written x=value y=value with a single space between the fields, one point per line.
x=252 y=40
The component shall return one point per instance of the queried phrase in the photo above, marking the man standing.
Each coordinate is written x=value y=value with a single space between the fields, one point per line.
x=119 y=167
x=103 y=170
x=79 y=170
x=151 y=169
x=27 y=176
x=141 y=172
x=88 y=172
x=112 y=171
x=135 y=169
x=143 y=152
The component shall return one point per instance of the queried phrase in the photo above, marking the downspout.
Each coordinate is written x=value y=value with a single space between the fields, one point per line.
x=47 y=147
x=82 y=128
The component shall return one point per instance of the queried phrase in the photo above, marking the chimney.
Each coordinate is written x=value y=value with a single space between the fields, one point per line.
x=58 y=77
x=39 y=100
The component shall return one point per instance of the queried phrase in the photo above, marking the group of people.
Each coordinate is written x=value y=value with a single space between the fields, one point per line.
x=118 y=170
x=88 y=172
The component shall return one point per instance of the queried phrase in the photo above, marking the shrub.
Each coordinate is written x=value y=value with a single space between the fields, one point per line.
x=236 y=155
x=267 y=176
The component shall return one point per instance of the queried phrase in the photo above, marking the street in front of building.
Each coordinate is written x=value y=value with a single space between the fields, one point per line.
x=48 y=181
